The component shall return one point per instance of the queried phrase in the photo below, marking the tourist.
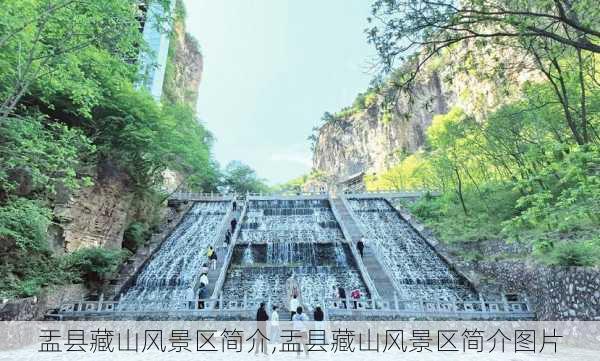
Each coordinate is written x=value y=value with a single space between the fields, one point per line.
x=355 y=294
x=292 y=286
x=212 y=256
x=204 y=268
x=361 y=246
x=318 y=314
x=261 y=326
x=204 y=280
x=335 y=296
x=294 y=304
x=233 y=224
x=299 y=323
x=234 y=206
x=202 y=292
x=319 y=318
x=342 y=296
x=275 y=325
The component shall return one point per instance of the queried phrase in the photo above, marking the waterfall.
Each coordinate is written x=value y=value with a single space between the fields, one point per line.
x=413 y=265
x=167 y=281
x=300 y=237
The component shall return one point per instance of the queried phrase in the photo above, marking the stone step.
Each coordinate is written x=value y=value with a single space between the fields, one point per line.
x=382 y=282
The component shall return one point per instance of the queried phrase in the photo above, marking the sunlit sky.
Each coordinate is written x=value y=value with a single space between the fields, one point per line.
x=271 y=68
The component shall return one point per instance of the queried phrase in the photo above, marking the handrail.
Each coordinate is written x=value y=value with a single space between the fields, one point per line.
x=229 y=255
x=218 y=236
x=400 y=194
x=361 y=267
x=386 y=261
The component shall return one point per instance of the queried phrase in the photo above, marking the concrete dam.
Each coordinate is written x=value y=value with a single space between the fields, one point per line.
x=304 y=245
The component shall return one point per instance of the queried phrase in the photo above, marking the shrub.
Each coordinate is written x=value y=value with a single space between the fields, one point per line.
x=95 y=264
x=579 y=254
x=135 y=235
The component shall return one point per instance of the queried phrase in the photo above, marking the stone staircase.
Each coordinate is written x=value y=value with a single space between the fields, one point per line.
x=382 y=282
x=222 y=249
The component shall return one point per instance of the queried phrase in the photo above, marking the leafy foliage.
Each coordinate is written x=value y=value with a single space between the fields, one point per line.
x=70 y=100
x=240 y=178
x=95 y=264
x=520 y=175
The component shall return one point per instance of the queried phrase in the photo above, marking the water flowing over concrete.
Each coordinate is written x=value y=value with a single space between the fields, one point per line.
x=168 y=281
x=281 y=238
x=416 y=270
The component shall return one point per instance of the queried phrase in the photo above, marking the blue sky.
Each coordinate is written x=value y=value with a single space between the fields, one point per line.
x=271 y=68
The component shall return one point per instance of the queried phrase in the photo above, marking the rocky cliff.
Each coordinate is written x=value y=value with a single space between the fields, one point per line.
x=99 y=215
x=475 y=79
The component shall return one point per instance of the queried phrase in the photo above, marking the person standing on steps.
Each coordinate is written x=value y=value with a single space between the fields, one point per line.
x=342 y=296
x=261 y=326
x=355 y=294
x=361 y=246
x=233 y=224
x=212 y=256
x=294 y=305
x=227 y=237
x=234 y=206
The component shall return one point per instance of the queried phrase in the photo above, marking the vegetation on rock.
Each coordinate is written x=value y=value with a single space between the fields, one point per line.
x=528 y=171
x=69 y=101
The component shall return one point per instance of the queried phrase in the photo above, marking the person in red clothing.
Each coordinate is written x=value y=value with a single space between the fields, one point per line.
x=355 y=295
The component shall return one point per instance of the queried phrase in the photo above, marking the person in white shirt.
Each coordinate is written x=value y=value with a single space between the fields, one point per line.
x=204 y=280
x=294 y=304
x=274 y=325
x=299 y=324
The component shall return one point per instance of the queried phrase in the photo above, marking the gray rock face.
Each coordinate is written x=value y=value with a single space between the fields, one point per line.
x=477 y=80
x=364 y=142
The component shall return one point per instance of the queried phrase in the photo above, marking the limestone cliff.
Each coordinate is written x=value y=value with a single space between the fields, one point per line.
x=98 y=215
x=184 y=69
x=477 y=80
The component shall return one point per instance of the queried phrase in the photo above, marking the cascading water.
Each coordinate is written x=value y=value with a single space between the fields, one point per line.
x=167 y=281
x=414 y=267
x=279 y=238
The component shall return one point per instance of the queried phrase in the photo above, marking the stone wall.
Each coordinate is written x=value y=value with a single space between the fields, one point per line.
x=556 y=293
x=34 y=308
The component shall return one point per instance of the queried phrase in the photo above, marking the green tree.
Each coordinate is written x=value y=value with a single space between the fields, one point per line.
x=241 y=178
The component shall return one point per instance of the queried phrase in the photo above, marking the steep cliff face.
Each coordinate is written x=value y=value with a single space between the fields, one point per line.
x=477 y=80
x=184 y=70
x=96 y=216
x=363 y=142
x=99 y=215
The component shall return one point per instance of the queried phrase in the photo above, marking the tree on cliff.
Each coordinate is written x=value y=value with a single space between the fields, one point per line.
x=549 y=31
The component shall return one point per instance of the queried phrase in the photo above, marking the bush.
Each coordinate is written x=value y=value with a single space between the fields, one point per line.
x=571 y=253
x=95 y=264
x=135 y=235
